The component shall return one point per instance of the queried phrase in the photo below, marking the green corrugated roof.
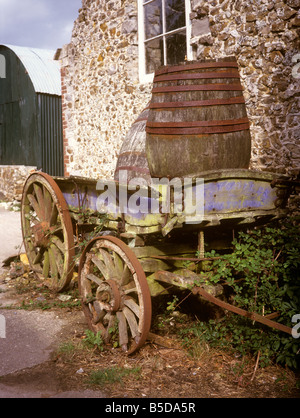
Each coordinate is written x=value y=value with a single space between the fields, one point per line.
x=42 y=69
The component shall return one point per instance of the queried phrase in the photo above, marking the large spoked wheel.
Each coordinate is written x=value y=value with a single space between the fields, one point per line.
x=47 y=231
x=114 y=293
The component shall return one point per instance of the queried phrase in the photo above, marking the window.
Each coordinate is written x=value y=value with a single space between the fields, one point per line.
x=164 y=34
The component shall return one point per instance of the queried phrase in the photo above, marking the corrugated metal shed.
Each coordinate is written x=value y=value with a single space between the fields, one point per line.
x=43 y=71
x=30 y=110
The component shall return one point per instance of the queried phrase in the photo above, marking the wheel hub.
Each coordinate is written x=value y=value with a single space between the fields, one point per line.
x=41 y=234
x=108 y=294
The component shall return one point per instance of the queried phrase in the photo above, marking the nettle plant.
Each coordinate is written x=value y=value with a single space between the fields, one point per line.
x=261 y=275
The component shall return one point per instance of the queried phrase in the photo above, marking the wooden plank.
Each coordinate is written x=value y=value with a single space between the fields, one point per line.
x=151 y=265
x=142 y=230
x=178 y=280
x=163 y=250
x=154 y=287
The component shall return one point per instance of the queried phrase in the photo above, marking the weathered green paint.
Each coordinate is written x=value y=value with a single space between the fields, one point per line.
x=51 y=133
x=154 y=287
x=19 y=143
x=30 y=122
x=163 y=249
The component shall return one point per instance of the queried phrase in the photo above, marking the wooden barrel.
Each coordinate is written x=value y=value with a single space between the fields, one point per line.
x=132 y=158
x=197 y=120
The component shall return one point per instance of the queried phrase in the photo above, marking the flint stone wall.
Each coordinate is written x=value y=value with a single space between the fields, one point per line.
x=102 y=95
x=12 y=179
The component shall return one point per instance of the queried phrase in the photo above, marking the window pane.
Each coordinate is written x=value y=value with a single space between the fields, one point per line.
x=176 y=48
x=154 y=55
x=175 y=14
x=153 y=19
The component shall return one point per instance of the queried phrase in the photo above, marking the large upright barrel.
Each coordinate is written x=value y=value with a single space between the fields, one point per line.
x=197 y=120
x=132 y=159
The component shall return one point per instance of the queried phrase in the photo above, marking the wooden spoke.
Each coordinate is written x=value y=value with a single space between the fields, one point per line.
x=123 y=333
x=108 y=261
x=132 y=290
x=47 y=231
x=119 y=266
x=35 y=206
x=48 y=204
x=40 y=199
x=46 y=265
x=59 y=244
x=121 y=302
x=94 y=279
x=130 y=303
x=126 y=276
x=38 y=257
x=58 y=259
x=53 y=216
x=99 y=313
x=87 y=292
x=110 y=326
x=101 y=266
x=132 y=322
x=53 y=267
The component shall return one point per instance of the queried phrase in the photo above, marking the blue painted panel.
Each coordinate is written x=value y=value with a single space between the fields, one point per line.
x=225 y=196
x=238 y=195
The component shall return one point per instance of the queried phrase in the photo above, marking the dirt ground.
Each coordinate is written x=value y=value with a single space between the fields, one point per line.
x=161 y=369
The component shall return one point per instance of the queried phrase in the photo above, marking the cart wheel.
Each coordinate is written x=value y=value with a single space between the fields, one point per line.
x=114 y=293
x=47 y=231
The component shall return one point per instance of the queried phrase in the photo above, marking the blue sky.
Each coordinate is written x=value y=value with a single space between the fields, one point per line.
x=43 y=24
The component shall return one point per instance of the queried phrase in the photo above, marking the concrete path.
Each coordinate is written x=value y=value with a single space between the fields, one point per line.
x=11 y=241
x=27 y=338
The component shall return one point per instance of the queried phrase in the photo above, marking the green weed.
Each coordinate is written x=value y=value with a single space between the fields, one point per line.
x=262 y=274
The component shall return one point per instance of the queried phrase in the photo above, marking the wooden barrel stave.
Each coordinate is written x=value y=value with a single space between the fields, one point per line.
x=197 y=120
x=132 y=157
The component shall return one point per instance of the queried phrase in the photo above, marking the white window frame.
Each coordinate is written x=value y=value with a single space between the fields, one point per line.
x=148 y=78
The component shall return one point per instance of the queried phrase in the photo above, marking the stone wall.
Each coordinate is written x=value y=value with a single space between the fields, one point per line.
x=102 y=95
x=101 y=92
x=12 y=179
x=264 y=37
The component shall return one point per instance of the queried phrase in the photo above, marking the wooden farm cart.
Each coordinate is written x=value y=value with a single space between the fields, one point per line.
x=128 y=256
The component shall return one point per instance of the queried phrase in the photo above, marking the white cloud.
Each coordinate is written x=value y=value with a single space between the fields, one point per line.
x=37 y=23
x=18 y=11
